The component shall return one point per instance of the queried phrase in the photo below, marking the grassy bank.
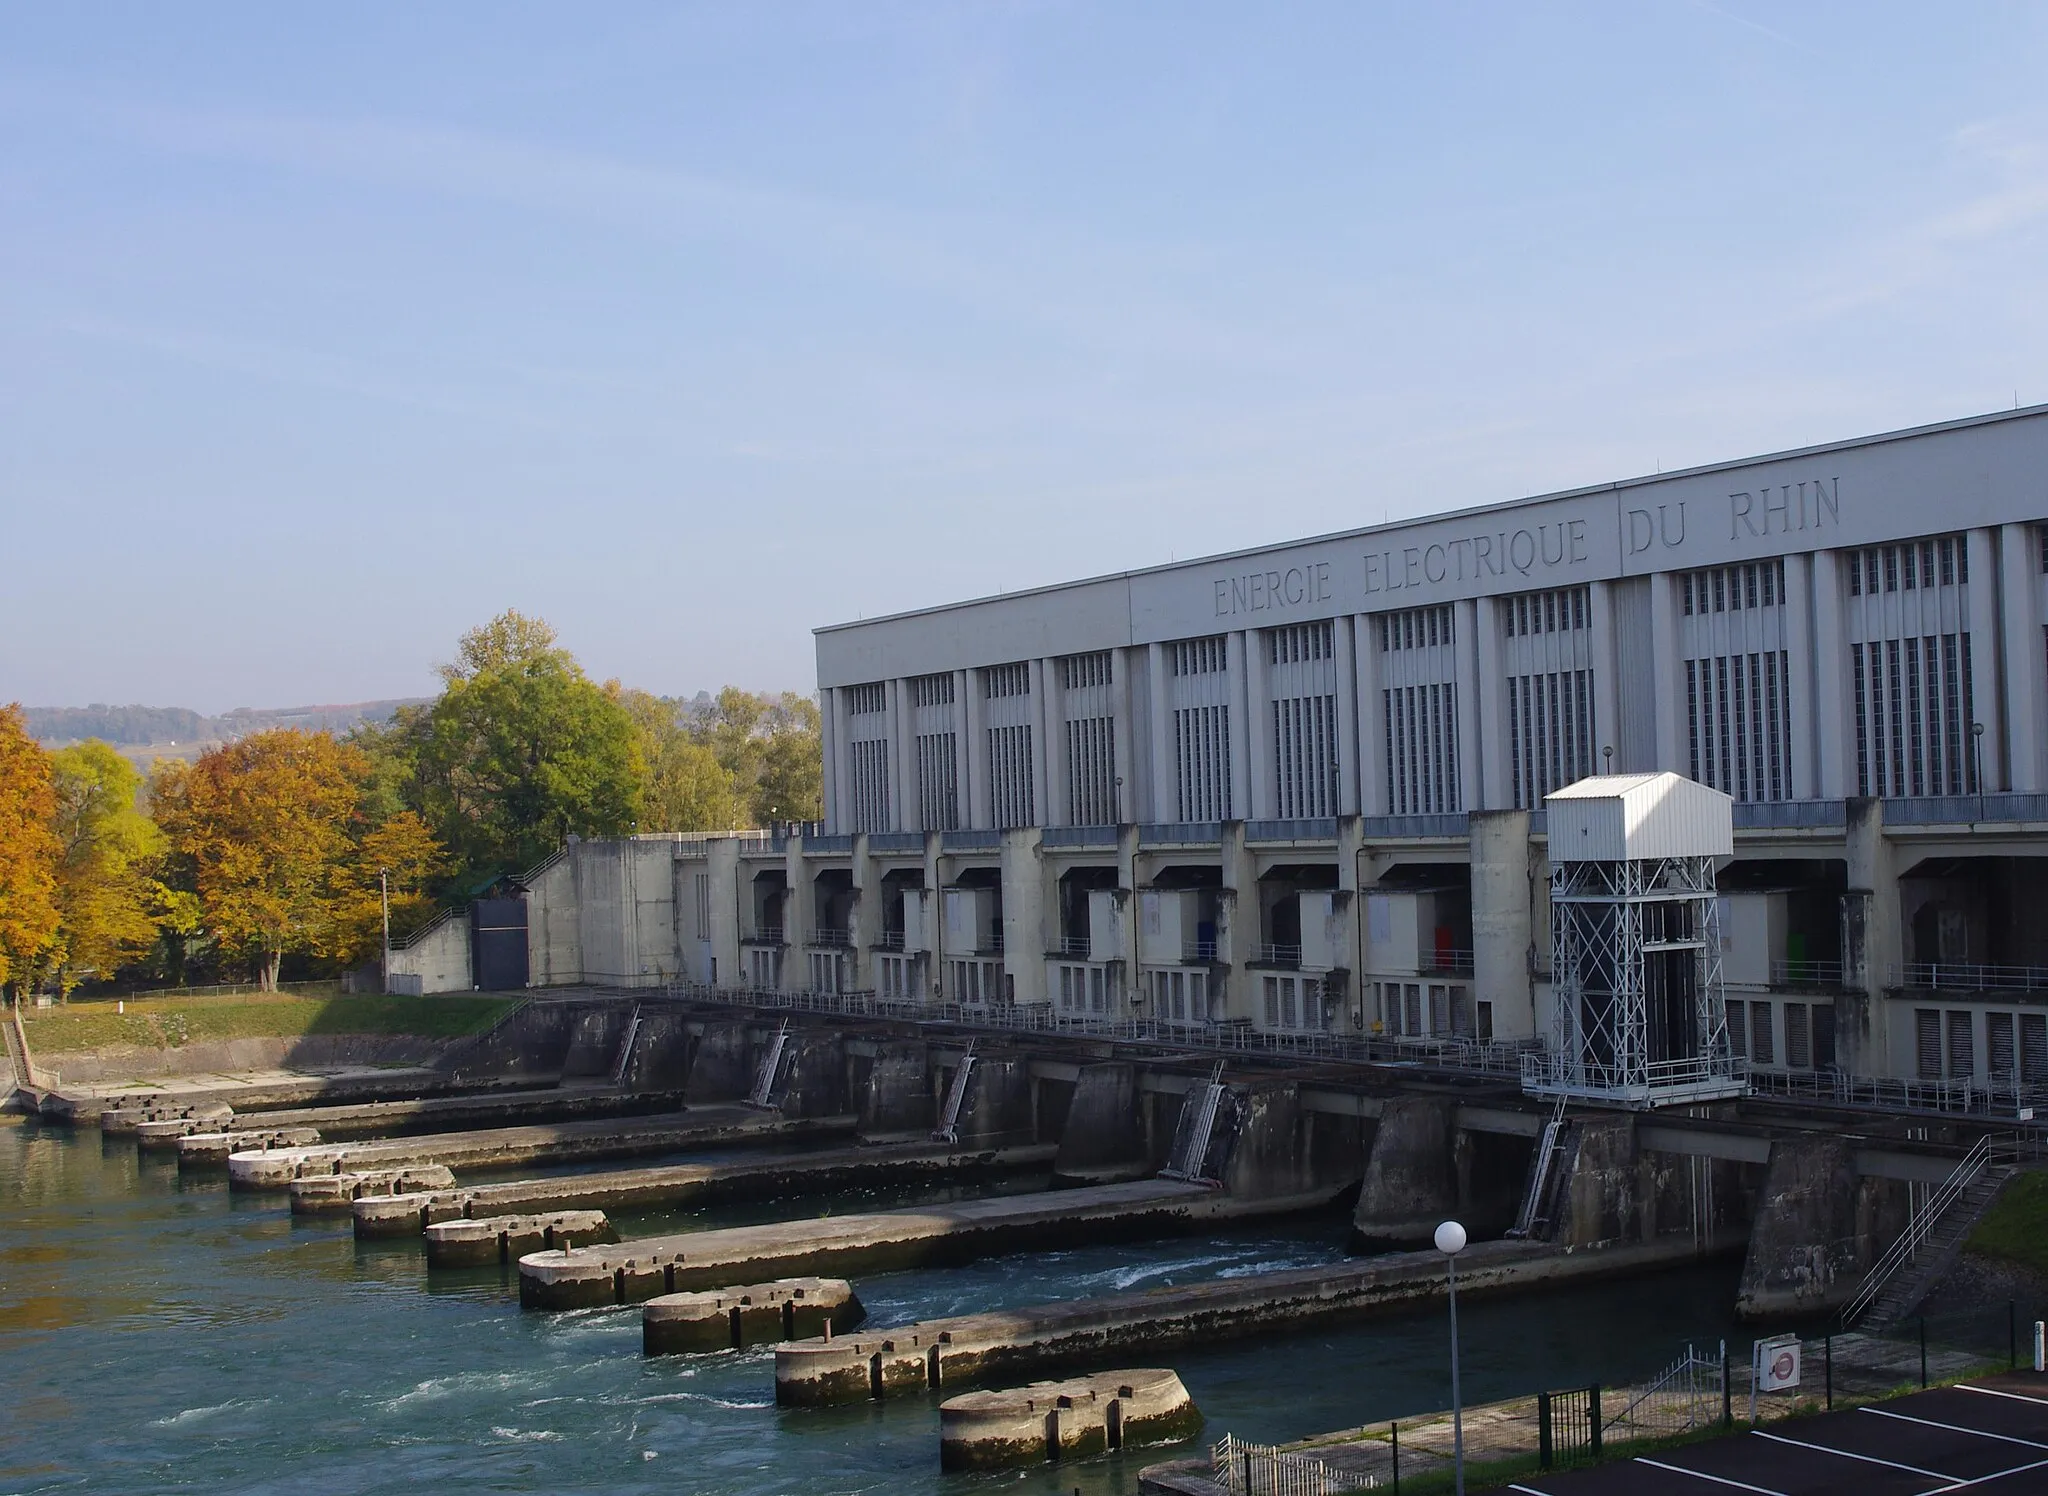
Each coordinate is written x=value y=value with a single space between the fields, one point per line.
x=167 y=1023
x=2017 y=1227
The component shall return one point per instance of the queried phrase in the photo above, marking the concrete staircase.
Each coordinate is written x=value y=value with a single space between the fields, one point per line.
x=1914 y=1263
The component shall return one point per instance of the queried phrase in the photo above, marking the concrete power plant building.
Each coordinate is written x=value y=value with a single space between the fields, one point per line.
x=1296 y=796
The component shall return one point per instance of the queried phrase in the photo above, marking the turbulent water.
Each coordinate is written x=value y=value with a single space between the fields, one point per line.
x=158 y=1333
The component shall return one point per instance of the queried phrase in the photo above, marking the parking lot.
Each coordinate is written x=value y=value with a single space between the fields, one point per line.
x=1989 y=1434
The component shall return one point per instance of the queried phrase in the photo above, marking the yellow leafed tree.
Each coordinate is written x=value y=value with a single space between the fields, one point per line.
x=264 y=827
x=107 y=903
x=28 y=849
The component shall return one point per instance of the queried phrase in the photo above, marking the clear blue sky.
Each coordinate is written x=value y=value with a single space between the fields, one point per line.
x=326 y=332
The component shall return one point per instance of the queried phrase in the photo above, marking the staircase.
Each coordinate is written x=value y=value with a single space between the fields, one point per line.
x=626 y=1048
x=1531 y=1217
x=1915 y=1262
x=1197 y=1126
x=763 y=1094
x=948 y=1130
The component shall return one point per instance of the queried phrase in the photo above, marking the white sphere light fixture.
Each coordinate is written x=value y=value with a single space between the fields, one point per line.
x=1450 y=1238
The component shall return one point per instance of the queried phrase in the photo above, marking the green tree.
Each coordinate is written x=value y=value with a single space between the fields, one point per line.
x=686 y=788
x=772 y=749
x=28 y=850
x=107 y=902
x=522 y=750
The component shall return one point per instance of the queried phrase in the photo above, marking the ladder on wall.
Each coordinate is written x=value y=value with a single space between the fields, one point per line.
x=765 y=1078
x=626 y=1048
x=948 y=1130
x=1197 y=1126
x=1539 y=1174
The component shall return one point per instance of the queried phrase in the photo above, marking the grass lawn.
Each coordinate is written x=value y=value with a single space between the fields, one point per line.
x=2017 y=1227
x=166 y=1023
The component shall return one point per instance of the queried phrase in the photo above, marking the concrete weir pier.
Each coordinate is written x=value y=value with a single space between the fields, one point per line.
x=336 y=1194
x=976 y=1347
x=722 y=1319
x=770 y=1177
x=879 y=1242
x=511 y=1147
x=502 y=1238
x=1068 y=1420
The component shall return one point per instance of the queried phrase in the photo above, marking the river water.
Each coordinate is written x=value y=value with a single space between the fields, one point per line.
x=158 y=1333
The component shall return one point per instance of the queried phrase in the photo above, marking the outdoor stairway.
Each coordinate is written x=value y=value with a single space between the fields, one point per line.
x=1938 y=1249
x=1913 y=1264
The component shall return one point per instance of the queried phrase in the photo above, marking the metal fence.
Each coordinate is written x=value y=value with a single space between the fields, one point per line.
x=1246 y=1469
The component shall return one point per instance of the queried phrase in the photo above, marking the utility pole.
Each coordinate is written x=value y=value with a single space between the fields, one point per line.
x=384 y=898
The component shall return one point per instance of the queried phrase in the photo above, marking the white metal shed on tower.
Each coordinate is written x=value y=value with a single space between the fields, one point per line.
x=1639 y=818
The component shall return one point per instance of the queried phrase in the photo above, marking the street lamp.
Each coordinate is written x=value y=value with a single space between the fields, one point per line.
x=384 y=898
x=1450 y=1240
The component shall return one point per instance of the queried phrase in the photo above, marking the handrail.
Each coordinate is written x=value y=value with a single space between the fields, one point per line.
x=1990 y=1147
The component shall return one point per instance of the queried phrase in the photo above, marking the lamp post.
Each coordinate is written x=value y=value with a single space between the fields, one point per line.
x=1450 y=1240
x=384 y=898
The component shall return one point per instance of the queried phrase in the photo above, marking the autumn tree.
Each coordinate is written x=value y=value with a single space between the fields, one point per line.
x=264 y=827
x=522 y=750
x=108 y=905
x=771 y=747
x=28 y=850
x=399 y=857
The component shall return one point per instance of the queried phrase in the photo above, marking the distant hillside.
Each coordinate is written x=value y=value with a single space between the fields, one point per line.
x=163 y=726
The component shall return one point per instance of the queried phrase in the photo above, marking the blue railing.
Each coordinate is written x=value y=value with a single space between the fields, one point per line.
x=1181 y=834
x=1078 y=836
x=970 y=839
x=896 y=841
x=1311 y=828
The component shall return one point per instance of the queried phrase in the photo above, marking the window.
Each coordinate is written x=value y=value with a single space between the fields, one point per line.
x=1738 y=1028
x=1550 y=733
x=1739 y=723
x=1080 y=671
x=1798 y=1042
x=2003 y=1055
x=1091 y=771
x=1010 y=776
x=867 y=700
x=1301 y=643
x=1962 y=1049
x=701 y=888
x=1199 y=656
x=1305 y=756
x=938 y=781
x=999 y=681
x=932 y=690
x=1421 y=749
x=1414 y=628
x=1908 y=565
x=870 y=759
x=1201 y=746
x=1530 y=613
x=1913 y=700
x=1761 y=1049
x=1927 y=1043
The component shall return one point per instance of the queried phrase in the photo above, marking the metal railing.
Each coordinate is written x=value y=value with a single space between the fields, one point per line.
x=1993 y=1150
x=763 y=935
x=895 y=841
x=1180 y=833
x=1246 y=1469
x=1806 y=973
x=1961 y=976
x=970 y=839
x=1078 y=836
x=1309 y=829
x=1685 y=1396
x=1409 y=828
x=1195 y=952
x=1790 y=815
x=1073 y=947
x=1277 y=955
x=1960 y=810
x=1447 y=963
x=1960 y=1096
x=831 y=937
x=889 y=940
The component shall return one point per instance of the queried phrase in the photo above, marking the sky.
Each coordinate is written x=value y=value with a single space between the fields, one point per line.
x=328 y=332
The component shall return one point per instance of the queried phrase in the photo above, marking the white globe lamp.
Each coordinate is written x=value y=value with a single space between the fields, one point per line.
x=1450 y=1240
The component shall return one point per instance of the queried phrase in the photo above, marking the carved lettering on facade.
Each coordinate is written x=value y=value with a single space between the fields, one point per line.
x=1539 y=548
x=1784 y=510
x=1260 y=591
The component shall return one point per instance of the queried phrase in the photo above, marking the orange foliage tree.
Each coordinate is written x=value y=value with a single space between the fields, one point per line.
x=266 y=830
x=28 y=849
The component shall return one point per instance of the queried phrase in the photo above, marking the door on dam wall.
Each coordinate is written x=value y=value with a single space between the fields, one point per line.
x=497 y=944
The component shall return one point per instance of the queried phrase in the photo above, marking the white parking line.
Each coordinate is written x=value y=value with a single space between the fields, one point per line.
x=1528 y=1490
x=1868 y=1459
x=1994 y=1392
x=1981 y=1479
x=1956 y=1428
x=1719 y=1480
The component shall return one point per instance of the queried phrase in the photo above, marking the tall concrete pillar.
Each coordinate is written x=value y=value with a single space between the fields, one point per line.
x=1349 y=760
x=2026 y=679
x=1465 y=634
x=934 y=915
x=1833 y=743
x=1163 y=797
x=1127 y=880
x=1351 y=956
x=965 y=734
x=1411 y=1182
x=1259 y=728
x=1606 y=678
x=1043 y=758
x=798 y=916
x=1241 y=725
x=1372 y=731
x=1804 y=769
x=867 y=917
x=1057 y=808
x=1125 y=741
x=1238 y=939
x=903 y=805
x=1665 y=673
x=1805 y=1255
x=1501 y=920
x=832 y=746
x=841 y=766
x=1873 y=943
x=1024 y=930
x=1487 y=727
x=722 y=863
x=1987 y=698
x=979 y=812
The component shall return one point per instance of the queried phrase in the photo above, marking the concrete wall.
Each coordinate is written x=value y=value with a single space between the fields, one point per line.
x=437 y=962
